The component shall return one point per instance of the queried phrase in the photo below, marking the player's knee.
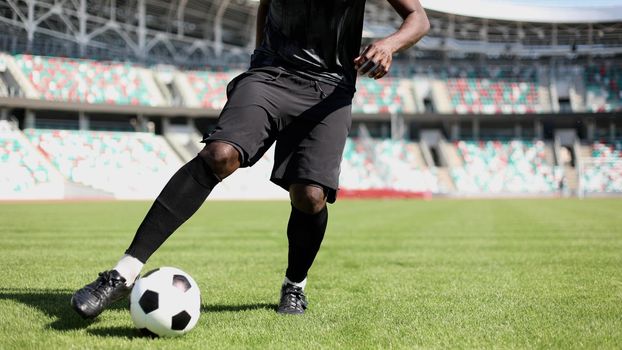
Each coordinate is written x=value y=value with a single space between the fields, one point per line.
x=310 y=199
x=221 y=157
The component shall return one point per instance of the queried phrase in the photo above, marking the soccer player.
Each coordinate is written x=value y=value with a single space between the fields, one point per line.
x=298 y=93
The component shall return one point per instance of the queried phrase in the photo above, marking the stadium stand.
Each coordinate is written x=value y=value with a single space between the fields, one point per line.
x=603 y=87
x=494 y=166
x=370 y=164
x=24 y=173
x=498 y=90
x=470 y=89
x=474 y=76
x=603 y=173
x=130 y=165
x=209 y=88
x=73 y=80
x=389 y=95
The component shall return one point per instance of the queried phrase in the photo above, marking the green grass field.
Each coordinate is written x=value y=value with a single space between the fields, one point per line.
x=391 y=274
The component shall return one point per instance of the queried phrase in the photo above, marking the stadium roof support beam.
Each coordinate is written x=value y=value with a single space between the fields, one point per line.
x=520 y=33
x=82 y=37
x=450 y=34
x=28 y=21
x=451 y=26
x=132 y=31
x=199 y=32
x=483 y=31
x=142 y=30
x=31 y=23
x=218 y=27
x=31 y=26
x=181 y=7
x=590 y=34
x=252 y=31
x=113 y=10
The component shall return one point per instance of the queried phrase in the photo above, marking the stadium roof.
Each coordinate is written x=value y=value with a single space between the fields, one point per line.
x=545 y=11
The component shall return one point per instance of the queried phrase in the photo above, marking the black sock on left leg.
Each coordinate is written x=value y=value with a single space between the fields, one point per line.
x=179 y=200
x=305 y=233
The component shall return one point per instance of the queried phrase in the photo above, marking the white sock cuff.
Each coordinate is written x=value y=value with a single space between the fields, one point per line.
x=129 y=268
x=297 y=284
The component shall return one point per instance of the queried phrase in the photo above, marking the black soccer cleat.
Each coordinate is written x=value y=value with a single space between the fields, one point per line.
x=92 y=299
x=293 y=300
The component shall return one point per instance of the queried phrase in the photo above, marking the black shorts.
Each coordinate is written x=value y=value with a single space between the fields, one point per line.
x=309 y=120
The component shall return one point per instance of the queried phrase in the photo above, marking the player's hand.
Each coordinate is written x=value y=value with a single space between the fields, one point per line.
x=375 y=60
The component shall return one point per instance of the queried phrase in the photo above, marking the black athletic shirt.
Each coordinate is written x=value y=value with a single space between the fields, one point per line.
x=315 y=38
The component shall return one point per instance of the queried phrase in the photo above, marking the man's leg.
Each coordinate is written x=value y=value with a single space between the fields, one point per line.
x=179 y=200
x=182 y=196
x=305 y=232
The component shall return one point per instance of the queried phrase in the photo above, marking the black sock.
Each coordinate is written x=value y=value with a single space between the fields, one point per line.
x=182 y=196
x=305 y=233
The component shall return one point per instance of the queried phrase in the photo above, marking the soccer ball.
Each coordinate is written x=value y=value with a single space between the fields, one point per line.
x=165 y=302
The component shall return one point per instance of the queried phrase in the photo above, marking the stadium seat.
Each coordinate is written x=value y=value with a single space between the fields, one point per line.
x=75 y=80
x=385 y=165
x=496 y=166
x=492 y=91
x=377 y=96
x=210 y=88
x=603 y=174
x=603 y=88
x=24 y=174
x=126 y=164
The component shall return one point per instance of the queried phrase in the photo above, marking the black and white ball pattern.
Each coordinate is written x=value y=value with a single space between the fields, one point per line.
x=165 y=302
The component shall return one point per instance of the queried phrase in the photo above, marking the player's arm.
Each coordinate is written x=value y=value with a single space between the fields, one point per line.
x=262 y=12
x=375 y=60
